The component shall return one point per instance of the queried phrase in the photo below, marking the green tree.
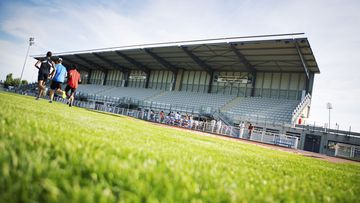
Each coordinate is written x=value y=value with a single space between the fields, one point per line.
x=16 y=82
x=9 y=80
x=24 y=82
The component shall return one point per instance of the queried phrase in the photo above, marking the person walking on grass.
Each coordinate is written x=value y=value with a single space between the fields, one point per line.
x=59 y=77
x=44 y=67
x=73 y=80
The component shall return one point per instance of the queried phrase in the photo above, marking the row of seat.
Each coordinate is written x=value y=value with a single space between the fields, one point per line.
x=196 y=99
x=264 y=108
x=254 y=107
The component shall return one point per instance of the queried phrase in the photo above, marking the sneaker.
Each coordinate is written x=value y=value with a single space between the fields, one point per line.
x=70 y=104
x=50 y=101
x=36 y=98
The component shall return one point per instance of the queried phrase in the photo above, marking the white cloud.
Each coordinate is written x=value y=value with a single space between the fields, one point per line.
x=12 y=56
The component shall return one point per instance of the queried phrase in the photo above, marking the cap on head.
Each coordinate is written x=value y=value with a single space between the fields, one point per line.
x=60 y=60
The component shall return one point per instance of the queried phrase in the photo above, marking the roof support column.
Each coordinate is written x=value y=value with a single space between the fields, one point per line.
x=310 y=83
x=110 y=62
x=253 y=82
x=249 y=67
x=89 y=77
x=206 y=67
x=162 y=61
x=147 y=79
x=302 y=60
x=106 y=76
x=139 y=65
x=211 y=81
x=126 y=75
x=177 y=80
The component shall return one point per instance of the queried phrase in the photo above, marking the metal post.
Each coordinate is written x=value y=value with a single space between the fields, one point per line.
x=329 y=119
x=329 y=106
x=31 y=42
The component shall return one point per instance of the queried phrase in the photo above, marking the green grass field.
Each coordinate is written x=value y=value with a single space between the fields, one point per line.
x=53 y=153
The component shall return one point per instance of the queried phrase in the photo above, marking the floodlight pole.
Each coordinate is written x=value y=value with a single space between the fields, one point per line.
x=329 y=106
x=31 y=42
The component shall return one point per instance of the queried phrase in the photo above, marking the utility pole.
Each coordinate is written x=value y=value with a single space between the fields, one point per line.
x=31 y=42
x=329 y=106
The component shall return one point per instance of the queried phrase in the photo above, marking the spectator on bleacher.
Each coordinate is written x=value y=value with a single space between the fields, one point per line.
x=218 y=126
x=184 y=122
x=196 y=124
x=242 y=127
x=213 y=125
x=172 y=118
x=186 y=116
x=167 y=118
x=162 y=116
x=146 y=114
x=59 y=74
x=250 y=129
x=190 y=122
x=73 y=80
x=177 y=118
x=44 y=67
x=152 y=115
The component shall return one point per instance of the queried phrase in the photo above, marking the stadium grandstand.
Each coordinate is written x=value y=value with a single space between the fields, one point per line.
x=267 y=78
x=263 y=80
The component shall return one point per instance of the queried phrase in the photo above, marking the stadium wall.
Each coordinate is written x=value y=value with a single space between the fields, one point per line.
x=195 y=81
x=97 y=77
x=114 y=78
x=161 y=79
x=281 y=85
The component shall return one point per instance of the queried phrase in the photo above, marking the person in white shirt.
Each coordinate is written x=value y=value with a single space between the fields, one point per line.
x=242 y=127
x=218 y=127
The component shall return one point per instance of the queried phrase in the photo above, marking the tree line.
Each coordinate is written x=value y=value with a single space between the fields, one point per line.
x=15 y=82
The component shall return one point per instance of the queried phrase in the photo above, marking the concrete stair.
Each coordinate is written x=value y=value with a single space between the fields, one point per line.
x=155 y=96
x=230 y=104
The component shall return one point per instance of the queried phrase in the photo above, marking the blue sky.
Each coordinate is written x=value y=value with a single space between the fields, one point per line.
x=332 y=26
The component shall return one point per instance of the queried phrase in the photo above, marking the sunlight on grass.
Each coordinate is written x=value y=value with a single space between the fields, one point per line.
x=53 y=153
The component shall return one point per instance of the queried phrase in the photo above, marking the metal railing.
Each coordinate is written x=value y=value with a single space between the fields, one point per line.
x=221 y=116
x=347 y=151
x=204 y=126
x=300 y=107
x=275 y=139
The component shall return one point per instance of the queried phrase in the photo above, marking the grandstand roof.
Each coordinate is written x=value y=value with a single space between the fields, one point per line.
x=273 y=53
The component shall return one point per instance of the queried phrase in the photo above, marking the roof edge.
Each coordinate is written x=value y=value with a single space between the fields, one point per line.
x=184 y=42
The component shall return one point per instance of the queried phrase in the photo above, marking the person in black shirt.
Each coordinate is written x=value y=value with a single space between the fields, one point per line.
x=44 y=67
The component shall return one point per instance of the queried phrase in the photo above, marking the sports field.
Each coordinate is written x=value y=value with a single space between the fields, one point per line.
x=53 y=153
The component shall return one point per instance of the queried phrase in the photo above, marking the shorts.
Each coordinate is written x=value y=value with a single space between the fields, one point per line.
x=67 y=88
x=55 y=85
x=43 y=76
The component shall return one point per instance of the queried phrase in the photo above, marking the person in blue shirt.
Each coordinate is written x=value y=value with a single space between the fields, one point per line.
x=58 y=77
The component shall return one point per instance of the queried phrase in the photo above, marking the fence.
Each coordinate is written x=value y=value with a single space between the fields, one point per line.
x=211 y=127
x=347 y=151
x=204 y=126
x=275 y=139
